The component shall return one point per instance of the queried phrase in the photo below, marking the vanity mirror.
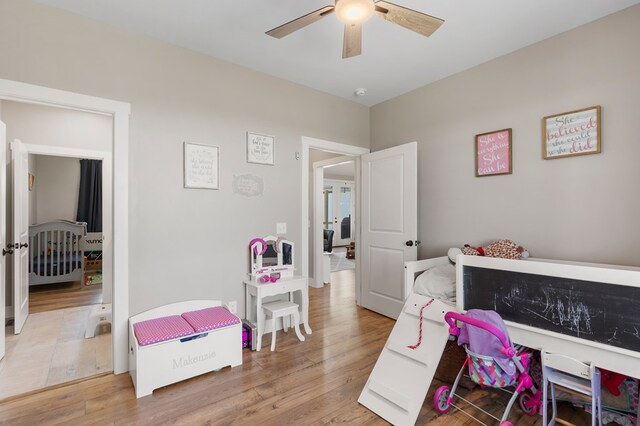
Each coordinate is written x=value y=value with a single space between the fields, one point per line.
x=271 y=257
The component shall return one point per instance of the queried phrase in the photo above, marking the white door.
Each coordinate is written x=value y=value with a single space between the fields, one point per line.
x=20 y=167
x=3 y=235
x=389 y=226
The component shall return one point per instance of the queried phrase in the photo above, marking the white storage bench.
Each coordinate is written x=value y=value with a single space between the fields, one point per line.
x=182 y=340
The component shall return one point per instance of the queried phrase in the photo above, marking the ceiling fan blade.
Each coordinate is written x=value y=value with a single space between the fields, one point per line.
x=410 y=19
x=352 y=44
x=301 y=22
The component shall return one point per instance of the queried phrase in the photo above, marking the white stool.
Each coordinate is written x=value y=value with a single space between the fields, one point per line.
x=282 y=309
x=574 y=375
x=100 y=313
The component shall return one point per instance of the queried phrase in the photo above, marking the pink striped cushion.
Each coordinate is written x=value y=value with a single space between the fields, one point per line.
x=210 y=319
x=161 y=329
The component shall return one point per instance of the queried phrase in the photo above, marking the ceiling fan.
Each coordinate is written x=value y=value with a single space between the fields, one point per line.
x=354 y=12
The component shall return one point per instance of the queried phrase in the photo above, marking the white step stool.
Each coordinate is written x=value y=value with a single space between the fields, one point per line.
x=99 y=313
x=282 y=309
x=574 y=375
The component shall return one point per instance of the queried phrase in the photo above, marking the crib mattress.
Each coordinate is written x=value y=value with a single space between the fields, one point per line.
x=51 y=265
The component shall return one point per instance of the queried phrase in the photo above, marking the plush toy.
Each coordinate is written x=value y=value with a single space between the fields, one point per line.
x=505 y=249
x=612 y=381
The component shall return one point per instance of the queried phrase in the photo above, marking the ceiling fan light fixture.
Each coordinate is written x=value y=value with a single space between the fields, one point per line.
x=354 y=11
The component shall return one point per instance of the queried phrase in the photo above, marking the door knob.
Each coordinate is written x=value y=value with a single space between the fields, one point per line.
x=418 y=243
x=25 y=245
x=409 y=243
x=6 y=252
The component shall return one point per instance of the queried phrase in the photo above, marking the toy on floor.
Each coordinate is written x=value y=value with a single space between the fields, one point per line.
x=492 y=361
x=505 y=249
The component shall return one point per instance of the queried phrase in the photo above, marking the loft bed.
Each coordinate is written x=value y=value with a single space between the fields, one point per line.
x=56 y=253
x=536 y=297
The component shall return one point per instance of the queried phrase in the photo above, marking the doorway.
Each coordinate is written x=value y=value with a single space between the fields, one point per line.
x=116 y=237
x=56 y=279
x=339 y=217
x=53 y=301
x=53 y=187
x=312 y=248
x=338 y=195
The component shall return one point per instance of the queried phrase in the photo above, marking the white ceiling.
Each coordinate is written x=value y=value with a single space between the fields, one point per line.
x=393 y=61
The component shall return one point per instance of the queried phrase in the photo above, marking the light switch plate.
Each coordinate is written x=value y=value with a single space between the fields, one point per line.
x=233 y=307
x=281 y=228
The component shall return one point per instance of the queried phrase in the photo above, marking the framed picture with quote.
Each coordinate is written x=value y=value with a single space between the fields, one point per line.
x=201 y=164
x=260 y=149
x=572 y=133
x=493 y=153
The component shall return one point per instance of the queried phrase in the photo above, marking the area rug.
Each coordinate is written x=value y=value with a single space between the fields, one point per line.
x=339 y=262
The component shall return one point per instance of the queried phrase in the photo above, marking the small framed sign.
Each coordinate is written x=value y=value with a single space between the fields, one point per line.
x=493 y=153
x=571 y=133
x=201 y=164
x=260 y=149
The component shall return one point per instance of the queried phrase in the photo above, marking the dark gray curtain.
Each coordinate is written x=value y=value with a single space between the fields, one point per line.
x=90 y=196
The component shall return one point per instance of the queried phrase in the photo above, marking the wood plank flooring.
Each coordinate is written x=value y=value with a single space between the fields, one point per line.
x=51 y=297
x=303 y=383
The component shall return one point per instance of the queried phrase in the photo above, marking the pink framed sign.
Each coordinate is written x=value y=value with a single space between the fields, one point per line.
x=493 y=153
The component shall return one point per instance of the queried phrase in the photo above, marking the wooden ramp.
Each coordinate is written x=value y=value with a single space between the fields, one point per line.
x=400 y=380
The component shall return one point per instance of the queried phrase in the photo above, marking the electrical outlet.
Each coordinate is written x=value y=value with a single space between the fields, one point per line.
x=233 y=307
x=281 y=228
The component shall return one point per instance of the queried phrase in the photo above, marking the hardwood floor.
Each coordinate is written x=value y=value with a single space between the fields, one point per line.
x=51 y=297
x=313 y=382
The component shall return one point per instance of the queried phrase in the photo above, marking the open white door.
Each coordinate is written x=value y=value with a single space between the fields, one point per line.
x=3 y=235
x=389 y=226
x=20 y=167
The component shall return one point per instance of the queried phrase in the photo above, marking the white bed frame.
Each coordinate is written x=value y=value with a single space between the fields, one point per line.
x=161 y=364
x=400 y=380
x=62 y=237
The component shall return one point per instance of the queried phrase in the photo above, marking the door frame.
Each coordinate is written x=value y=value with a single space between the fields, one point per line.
x=317 y=220
x=107 y=201
x=339 y=148
x=120 y=111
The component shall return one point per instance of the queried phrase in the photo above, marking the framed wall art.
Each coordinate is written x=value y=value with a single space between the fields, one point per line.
x=493 y=153
x=260 y=149
x=572 y=133
x=201 y=164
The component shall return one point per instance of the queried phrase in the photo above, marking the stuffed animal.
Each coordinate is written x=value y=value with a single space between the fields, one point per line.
x=612 y=381
x=505 y=249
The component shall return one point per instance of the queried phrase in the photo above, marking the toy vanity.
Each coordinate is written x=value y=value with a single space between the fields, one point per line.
x=271 y=259
x=272 y=276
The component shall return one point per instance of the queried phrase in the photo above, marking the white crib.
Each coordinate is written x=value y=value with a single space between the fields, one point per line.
x=56 y=253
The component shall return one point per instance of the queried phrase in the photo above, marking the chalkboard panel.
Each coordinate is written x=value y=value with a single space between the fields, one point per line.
x=600 y=312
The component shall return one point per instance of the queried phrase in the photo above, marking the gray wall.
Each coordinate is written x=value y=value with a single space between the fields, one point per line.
x=581 y=208
x=57 y=185
x=184 y=244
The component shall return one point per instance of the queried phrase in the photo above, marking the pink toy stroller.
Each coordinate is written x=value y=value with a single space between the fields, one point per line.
x=485 y=371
